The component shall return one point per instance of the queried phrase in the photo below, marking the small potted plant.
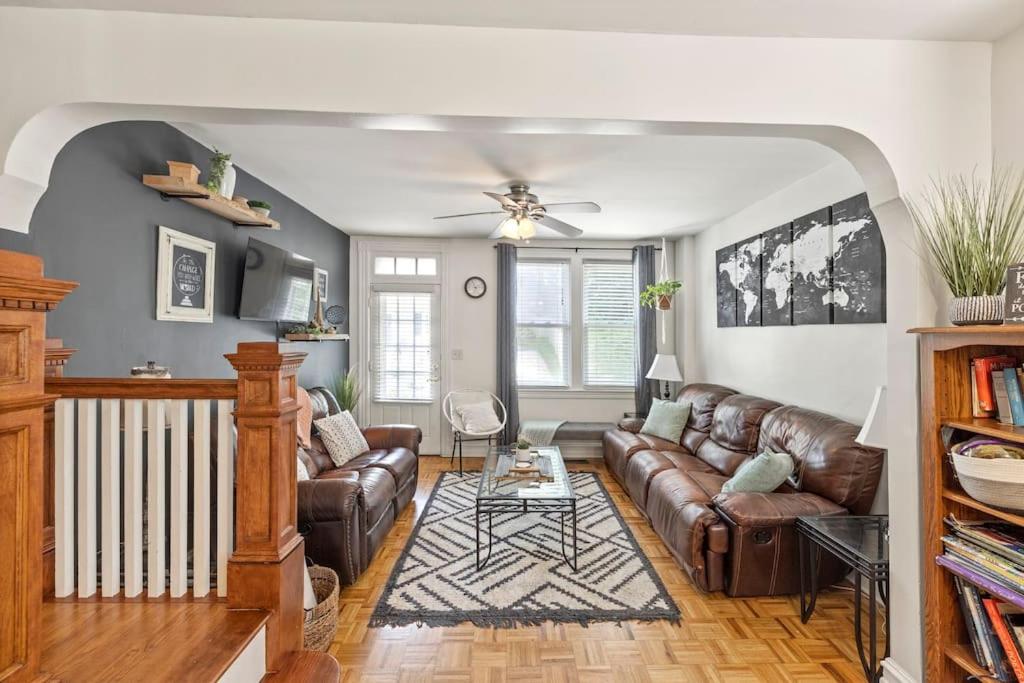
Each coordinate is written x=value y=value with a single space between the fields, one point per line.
x=221 y=178
x=972 y=232
x=659 y=295
x=259 y=206
x=523 y=450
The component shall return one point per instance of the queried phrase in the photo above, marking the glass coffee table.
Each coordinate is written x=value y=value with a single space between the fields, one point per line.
x=500 y=495
x=862 y=543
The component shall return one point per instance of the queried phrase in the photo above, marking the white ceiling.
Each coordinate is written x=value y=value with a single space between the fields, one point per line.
x=896 y=19
x=388 y=182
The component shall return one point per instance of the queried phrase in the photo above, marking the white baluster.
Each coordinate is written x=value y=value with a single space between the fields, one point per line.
x=179 y=497
x=157 y=525
x=64 y=497
x=132 y=498
x=110 y=495
x=225 y=493
x=201 y=499
x=86 y=497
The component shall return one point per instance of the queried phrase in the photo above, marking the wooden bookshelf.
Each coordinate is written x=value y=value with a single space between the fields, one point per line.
x=945 y=356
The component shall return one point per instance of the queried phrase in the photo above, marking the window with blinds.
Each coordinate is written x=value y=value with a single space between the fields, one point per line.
x=403 y=370
x=609 y=316
x=543 y=323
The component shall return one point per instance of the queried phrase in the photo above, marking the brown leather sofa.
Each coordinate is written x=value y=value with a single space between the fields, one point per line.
x=742 y=543
x=346 y=512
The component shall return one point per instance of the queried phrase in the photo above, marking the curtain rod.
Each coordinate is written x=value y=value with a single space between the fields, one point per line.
x=582 y=248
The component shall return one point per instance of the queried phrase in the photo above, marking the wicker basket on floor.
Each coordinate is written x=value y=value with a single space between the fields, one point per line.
x=322 y=621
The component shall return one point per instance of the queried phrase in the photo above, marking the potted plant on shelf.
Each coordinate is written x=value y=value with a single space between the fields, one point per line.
x=659 y=295
x=972 y=231
x=260 y=207
x=221 y=178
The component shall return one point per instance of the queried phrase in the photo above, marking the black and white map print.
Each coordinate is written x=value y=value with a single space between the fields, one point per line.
x=812 y=276
x=748 y=282
x=777 y=276
x=858 y=263
x=725 y=272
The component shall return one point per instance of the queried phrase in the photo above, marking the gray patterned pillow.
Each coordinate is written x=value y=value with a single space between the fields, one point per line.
x=342 y=437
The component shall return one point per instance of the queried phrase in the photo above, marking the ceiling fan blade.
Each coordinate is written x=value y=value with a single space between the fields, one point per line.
x=573 y=207
x=505 y=201
x=463 y=215
x=560 y=226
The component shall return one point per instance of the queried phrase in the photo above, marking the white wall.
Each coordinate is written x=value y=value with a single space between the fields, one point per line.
x=1008 y=99
x=470 y=328
x=831 y=368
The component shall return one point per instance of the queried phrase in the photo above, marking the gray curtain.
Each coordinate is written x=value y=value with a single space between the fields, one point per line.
x=646 y=327
x=507 y=390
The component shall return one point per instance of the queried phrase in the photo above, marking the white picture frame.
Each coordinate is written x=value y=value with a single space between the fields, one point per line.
x=184 y=277
x=321 y=281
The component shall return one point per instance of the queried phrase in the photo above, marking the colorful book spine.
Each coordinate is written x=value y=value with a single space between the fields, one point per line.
x=983 y=369
x=1003 y=412
x=975 y=578
x=1013 y=390
x=980 y=652
x=1005 y=639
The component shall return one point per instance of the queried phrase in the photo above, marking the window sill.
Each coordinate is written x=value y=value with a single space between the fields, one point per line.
x=577 y=394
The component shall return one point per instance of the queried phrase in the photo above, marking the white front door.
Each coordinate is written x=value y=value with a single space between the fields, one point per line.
x=405 y=359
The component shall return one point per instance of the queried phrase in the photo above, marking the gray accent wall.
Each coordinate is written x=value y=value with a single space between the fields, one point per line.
x=97 y=224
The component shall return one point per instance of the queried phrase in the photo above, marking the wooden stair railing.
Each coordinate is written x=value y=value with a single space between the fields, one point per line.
x=25 y=297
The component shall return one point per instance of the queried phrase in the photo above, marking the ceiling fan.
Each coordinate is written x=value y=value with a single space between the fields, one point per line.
x=523 y=210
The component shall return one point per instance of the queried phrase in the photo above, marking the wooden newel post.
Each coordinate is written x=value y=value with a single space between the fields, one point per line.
x=265 y=571
x=25 y=297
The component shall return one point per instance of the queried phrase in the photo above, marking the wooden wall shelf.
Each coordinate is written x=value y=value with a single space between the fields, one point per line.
x=316 y=337
x=198 y=195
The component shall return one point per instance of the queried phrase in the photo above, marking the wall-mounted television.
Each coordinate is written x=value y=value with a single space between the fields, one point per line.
x=277 y=284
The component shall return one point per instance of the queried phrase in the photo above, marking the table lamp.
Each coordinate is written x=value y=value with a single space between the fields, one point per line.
x=665 y=368
x=873 y=433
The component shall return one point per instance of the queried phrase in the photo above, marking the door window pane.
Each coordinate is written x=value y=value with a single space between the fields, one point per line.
x=404 y=366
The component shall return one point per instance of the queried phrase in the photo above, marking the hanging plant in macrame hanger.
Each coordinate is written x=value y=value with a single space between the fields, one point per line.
x=659 y=295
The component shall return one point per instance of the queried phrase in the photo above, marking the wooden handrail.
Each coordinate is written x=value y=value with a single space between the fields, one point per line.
x=142 y=388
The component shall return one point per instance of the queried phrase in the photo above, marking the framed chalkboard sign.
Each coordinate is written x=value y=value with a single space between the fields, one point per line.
x=184 y=280
x=1015 y=295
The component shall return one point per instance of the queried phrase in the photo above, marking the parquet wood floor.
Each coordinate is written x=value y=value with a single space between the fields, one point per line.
x=719 y=639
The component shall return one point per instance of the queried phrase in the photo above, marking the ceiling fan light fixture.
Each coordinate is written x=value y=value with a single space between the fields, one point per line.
x=518 y=228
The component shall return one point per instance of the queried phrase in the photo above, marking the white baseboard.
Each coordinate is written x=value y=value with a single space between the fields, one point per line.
x=894 y=673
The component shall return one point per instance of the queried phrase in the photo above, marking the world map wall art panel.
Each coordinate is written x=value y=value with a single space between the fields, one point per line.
x=827 y=267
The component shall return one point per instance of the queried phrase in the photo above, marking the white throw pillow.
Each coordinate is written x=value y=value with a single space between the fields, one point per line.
x=342 y=436
x=479 y=418
x=301 y=473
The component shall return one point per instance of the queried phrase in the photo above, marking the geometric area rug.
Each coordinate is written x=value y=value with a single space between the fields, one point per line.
x=435 y=581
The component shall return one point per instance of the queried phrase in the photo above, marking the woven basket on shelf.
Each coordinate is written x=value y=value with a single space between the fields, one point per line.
x=995 y=481
x=322 y=620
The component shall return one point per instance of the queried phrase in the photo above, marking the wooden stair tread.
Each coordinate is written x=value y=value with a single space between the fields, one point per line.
x=145 y=640
x=317 y=667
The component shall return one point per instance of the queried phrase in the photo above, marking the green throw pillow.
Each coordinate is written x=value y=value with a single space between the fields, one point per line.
x=762 y=474
x=666 y=420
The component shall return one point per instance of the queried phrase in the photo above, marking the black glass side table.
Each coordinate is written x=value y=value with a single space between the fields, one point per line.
x=862 y=543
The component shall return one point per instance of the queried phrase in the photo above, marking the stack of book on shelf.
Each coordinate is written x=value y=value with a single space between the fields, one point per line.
x=996 y=389
x=987 y=559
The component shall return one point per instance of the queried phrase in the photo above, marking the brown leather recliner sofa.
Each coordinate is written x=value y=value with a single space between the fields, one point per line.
x=742 y=543
x=345 y=512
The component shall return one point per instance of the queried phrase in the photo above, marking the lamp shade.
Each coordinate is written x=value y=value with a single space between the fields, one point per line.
x=665 y=368
x=874 y=432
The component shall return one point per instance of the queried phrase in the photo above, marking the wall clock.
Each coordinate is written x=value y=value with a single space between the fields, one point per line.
x=475 y=287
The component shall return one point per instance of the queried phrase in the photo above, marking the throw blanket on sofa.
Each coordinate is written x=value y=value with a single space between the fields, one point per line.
x=539 y=432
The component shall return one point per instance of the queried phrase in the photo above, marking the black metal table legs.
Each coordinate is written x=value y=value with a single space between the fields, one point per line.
x=878 y=587
x=519 y=507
